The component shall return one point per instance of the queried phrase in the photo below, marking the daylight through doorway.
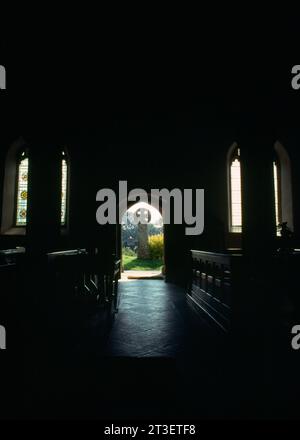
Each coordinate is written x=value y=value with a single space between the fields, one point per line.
x=142 y=243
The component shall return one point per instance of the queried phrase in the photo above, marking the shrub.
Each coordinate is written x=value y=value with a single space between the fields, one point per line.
x=156 y=246
x=128 y=252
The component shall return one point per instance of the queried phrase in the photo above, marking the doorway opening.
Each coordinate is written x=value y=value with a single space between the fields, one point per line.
x=142 y=243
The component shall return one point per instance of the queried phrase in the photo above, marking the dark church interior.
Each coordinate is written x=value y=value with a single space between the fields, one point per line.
x=212 y=340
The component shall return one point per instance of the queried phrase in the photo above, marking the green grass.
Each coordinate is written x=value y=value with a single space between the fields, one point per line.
x=134 y=263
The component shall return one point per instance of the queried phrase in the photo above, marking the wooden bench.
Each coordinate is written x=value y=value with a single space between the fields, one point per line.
x=86 y=276
x=214 y=281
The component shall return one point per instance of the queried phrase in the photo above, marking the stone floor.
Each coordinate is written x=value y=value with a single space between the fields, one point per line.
x=158 y=337
x=160 y=360
x=153 y=320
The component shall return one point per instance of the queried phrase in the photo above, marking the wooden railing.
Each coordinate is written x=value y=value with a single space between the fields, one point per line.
x=213 y=282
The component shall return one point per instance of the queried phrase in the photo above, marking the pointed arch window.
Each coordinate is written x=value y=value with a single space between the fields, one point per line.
x=282 y=176
x=64 y=188
x=277 y=193
x=22 y=189
x=235 y=191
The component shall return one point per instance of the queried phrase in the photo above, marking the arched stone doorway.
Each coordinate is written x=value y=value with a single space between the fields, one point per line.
x=142 y=242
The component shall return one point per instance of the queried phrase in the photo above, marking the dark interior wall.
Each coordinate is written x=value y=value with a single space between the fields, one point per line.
x=150 y=150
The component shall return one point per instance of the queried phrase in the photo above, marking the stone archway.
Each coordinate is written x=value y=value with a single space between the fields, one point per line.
x=142 y=241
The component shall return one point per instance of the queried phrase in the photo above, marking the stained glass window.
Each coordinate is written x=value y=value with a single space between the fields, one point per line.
x=22 y=191
x=235 y=193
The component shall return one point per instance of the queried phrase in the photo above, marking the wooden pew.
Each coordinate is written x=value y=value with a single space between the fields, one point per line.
x=111 y=282
x=12 y=359
x=85 y=276
x=214 y=283
x=67 y=271
x=8 y=291
x=11 y=256
x=107 y=271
